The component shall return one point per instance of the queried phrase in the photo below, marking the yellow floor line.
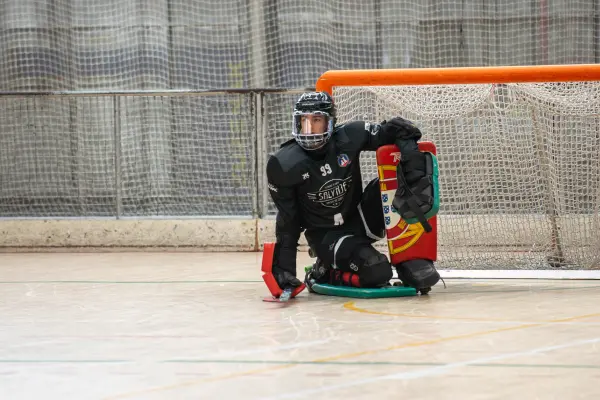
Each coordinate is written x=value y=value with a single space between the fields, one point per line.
x=346 y=355
x=352 y=307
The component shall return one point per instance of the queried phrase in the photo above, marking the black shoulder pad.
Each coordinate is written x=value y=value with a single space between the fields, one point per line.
x=287 y=143
x=286 y=166
x=356 y=127
x=350 y=136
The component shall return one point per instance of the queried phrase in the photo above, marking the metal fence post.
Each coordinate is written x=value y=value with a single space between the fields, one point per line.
x=117 y=159
x=260 y=151
x=256 y=104
x=262 y=158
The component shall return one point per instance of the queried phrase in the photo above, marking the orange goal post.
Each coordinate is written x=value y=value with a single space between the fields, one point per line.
x=519 y=157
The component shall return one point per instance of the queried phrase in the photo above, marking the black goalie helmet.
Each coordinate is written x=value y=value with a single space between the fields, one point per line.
x=314 y=119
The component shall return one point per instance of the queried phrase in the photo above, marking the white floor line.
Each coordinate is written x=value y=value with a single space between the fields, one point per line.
x=520 y=274
x=432 y=371
x=273 y=349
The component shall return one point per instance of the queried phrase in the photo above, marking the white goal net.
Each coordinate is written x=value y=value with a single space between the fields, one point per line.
x=519 y=168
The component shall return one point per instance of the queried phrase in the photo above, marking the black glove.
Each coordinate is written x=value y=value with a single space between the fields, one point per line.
x=412 y=172
x=406 y=135
x=414 y=166
x=414 y=196
x=401 y=129
x=285 y=279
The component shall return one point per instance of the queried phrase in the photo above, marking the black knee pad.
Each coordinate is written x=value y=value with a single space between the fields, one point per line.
x=358 y=255
x=418 y=273
x=376 y=272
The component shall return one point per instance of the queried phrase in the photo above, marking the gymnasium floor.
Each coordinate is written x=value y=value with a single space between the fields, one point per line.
x=193 y=326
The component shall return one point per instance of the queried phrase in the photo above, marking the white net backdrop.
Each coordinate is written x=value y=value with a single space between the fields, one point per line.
x=177 y=155
x=160 y=44
x=519 y=167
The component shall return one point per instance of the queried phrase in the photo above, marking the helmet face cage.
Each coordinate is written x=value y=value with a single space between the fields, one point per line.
x=313 y=103
x=309 y=140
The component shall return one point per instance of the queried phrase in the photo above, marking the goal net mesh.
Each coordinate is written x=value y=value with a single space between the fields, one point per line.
x=519 y=168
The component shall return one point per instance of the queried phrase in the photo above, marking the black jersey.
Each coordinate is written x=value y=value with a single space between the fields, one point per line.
x=319 y=192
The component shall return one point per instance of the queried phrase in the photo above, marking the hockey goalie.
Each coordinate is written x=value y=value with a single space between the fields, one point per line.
x=315 y=182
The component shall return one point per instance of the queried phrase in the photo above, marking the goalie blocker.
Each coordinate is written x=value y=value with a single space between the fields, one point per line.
x=267 y=271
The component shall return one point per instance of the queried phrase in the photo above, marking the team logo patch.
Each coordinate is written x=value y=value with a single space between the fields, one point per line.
x=332 y=193
x=343 y=160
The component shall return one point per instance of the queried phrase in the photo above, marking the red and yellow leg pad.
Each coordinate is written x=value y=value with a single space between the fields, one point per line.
x=267 y=270
x=405 y=241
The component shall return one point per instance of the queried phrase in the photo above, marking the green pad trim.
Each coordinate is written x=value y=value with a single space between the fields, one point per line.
x=363 y=293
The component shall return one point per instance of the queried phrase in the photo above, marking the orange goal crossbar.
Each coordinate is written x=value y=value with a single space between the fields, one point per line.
x=462 y=75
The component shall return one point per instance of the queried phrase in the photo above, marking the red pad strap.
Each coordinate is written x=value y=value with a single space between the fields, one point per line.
x=351 y=279
x=267 y=270
x=340 y=278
